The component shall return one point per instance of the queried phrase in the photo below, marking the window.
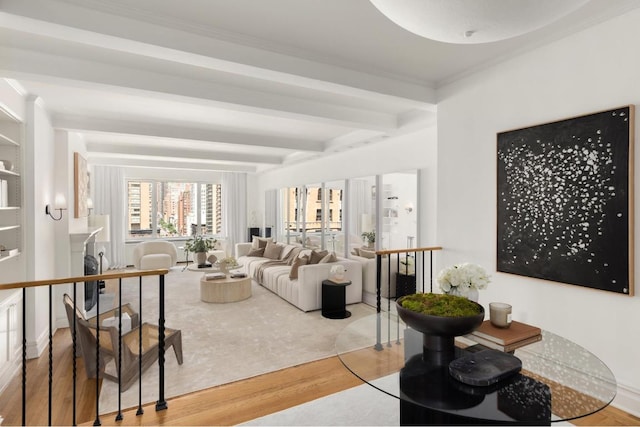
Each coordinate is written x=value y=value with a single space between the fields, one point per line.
x=173 y=209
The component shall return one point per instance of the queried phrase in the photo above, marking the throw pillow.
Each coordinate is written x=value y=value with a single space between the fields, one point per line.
x=293 y=255
x=293 y=274
x=330 y=257
x=260 y=242
x=256 y=252
x=355 y=251
x=367 y=254
x=316 y=256
x=272 y=250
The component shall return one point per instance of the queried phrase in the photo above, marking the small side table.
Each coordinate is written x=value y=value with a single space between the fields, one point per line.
x=405 y=284
x=334 y=300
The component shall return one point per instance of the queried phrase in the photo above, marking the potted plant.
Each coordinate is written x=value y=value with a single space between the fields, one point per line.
x=370 y=237
x=199 y=246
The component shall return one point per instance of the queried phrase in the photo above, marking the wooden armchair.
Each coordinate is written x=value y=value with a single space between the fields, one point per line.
x=87 y=330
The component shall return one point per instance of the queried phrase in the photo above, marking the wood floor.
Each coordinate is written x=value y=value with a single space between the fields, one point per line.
x=228 y=404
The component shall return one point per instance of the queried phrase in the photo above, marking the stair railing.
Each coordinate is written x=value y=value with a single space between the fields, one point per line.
x=161 y=403
x=406 y=255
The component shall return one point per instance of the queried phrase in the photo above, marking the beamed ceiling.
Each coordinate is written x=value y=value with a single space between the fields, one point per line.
x=242 y=85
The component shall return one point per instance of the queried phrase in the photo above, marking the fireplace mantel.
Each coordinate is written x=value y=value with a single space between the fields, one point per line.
x=79 y=241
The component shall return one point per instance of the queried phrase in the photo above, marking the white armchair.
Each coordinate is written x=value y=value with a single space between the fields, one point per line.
x=154 y=254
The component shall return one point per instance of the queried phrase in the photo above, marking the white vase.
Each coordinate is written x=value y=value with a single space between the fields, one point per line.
x=200 y=257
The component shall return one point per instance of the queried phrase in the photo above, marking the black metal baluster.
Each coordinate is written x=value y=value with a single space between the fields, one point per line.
x=389 y=301
x=75 y=369
x=119 y=415
x=50 y=354
x=378 y=345
x=161 y=403
x=423 y=278
x=430 y=271
x=97 y=422
x=140 y=411
x=24 y=356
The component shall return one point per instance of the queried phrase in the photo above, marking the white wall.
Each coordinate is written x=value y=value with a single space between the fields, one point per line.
x=39 y=250
x=591 y=71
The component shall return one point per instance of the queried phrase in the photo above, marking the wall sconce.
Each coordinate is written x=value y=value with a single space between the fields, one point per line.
x=408 y=207
x=60 y=205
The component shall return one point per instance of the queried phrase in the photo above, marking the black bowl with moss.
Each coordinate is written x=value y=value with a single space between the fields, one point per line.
x=440 y=318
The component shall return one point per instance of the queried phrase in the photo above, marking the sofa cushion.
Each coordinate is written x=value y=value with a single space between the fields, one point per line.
x=273 y=250
x=293 y=255
x=260 y=242
x=256 y=252
x=286 y=251
x=155 y=261
x=367 y=254
x=330 y=257
x=293 y=274
x=316 y=256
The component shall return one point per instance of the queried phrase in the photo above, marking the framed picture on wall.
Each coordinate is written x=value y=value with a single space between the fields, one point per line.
x=565 y=201
x=81 y=186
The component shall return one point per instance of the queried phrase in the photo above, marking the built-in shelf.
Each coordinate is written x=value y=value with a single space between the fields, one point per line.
x=8 y=173
x=4 y=258
x=8 y=227
x=5 y=140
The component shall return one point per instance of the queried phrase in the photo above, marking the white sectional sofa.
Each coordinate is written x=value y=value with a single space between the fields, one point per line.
x=368 y=261
x=369 y=277
x=305 y=291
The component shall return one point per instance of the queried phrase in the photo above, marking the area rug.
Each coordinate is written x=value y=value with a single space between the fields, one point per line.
x=362 y=405
x=224 y=342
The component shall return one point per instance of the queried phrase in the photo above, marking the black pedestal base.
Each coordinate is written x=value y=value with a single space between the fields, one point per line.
x=429 y=395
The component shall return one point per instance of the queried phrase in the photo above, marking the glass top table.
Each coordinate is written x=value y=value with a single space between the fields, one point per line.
x=559 y=380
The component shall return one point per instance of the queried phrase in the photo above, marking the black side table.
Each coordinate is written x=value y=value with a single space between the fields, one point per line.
x=334 y=300
x=405 y=284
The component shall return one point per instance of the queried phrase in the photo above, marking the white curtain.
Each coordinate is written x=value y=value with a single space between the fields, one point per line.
x=234 y=208
x=110 y=199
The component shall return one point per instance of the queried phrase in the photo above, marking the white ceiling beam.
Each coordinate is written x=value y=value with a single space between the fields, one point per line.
x=181 y=154
x=203 y=48
x=167 y=164
x=27 y=65
x=86 y=124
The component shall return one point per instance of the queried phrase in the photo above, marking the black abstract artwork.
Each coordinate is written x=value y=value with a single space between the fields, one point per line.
x=564 y=200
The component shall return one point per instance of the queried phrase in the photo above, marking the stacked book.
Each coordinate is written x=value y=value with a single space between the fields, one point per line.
x=508 y=339
x=215 y=276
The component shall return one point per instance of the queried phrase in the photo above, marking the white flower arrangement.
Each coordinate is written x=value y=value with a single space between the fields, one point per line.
x=460 y=279
x=228 y=262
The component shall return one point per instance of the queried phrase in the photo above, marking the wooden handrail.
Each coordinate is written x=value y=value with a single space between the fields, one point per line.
x=78 y=279
x=401 y=251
